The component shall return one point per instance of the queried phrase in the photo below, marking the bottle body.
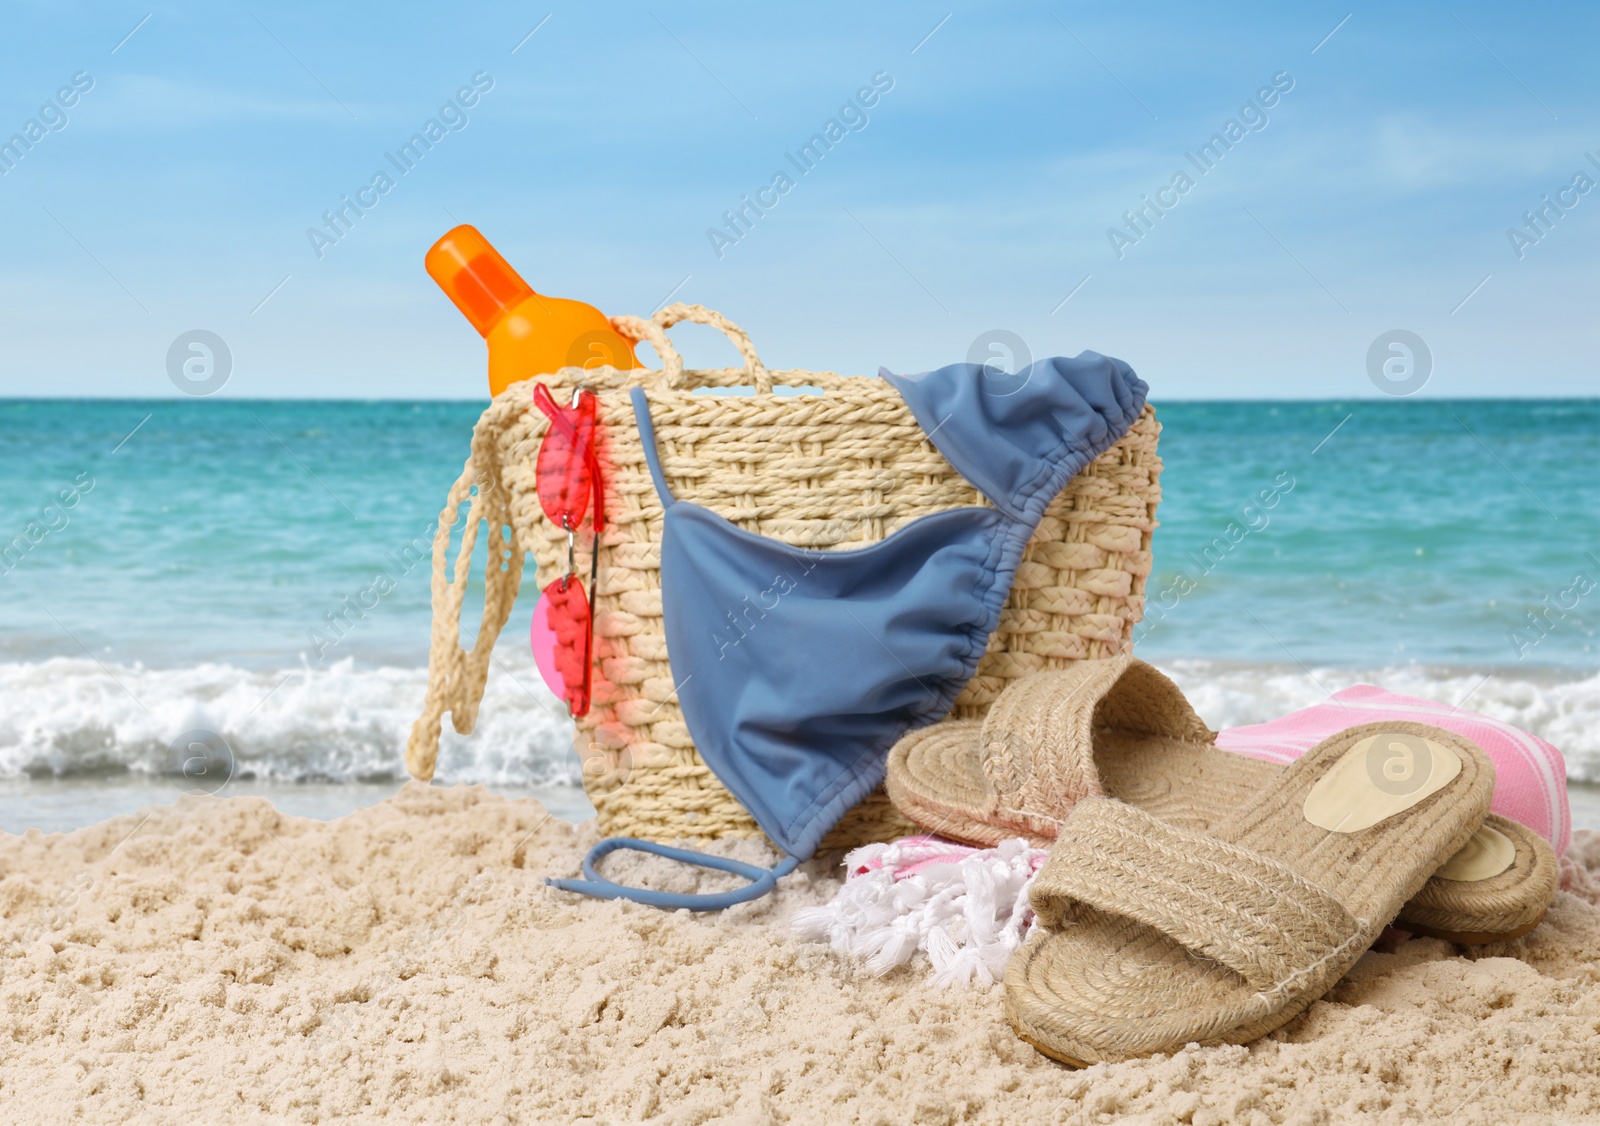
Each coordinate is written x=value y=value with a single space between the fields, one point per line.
x=528 y=334
x=540 y=335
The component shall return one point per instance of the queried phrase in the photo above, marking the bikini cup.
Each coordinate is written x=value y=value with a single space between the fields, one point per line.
x=798 y=669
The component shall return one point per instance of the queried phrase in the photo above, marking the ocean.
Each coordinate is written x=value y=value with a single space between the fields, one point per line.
x=170 y=567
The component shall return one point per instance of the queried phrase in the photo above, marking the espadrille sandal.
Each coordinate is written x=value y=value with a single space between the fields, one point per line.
x=1161 y=936
x=1119 y=728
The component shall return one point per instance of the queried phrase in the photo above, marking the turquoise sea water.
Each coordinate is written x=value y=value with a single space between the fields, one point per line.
x=184 y=579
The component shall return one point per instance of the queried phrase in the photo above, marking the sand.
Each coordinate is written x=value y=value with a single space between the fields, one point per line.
x=218 y=961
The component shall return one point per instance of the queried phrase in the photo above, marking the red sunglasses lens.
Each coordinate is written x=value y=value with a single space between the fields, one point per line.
x=566 y=459
x=562 y=635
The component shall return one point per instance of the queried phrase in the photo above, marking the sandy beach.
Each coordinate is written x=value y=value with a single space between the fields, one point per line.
x=434 y=445
x=219 y=961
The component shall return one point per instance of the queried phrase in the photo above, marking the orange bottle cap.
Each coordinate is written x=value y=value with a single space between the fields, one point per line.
x=473 y=275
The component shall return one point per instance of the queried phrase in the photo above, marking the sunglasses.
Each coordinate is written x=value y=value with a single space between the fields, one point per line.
x=568 y=475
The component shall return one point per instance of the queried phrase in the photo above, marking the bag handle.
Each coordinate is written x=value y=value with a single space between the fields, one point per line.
x=456 y=676
x=653 y=330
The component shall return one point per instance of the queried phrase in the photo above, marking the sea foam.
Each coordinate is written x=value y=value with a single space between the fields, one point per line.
x=344 y=723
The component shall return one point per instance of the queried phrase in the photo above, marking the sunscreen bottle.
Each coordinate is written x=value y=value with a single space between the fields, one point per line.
x=529 y=334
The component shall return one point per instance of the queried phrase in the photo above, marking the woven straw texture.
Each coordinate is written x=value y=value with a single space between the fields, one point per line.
x=1500 y=908
x=1162 y=936
x=1120 y=728
x=837 y=470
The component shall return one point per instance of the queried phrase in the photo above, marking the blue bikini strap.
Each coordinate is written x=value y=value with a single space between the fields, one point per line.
x=762 y=880
x=647 y=439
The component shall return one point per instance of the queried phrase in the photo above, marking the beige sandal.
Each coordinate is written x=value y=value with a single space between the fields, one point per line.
x=1119 y=728
x=1160 y=936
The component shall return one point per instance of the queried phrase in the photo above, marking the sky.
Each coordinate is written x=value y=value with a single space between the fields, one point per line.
x=969 y=211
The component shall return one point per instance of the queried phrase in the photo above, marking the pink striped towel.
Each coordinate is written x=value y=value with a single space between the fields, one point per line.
x=912 y=856
x=1530 y=774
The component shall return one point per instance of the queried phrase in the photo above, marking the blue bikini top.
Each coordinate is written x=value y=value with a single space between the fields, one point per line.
x=797 y=669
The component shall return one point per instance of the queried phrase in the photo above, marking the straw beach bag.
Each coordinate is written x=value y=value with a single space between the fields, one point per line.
x=837 y=470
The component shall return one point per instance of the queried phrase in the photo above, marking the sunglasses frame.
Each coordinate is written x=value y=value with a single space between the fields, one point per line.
x=559 y=420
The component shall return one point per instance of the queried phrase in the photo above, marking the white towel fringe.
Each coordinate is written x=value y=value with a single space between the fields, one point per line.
x=965 y=909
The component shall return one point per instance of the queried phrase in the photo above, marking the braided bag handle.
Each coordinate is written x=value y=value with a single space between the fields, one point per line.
x=653 y=331
x=456 y=677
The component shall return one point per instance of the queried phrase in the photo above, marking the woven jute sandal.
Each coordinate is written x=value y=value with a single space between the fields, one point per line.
x=1119 y=728
x=1157 y=936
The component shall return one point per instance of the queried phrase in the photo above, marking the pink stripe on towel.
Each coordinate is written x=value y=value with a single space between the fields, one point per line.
x=911 y=856
x=1530 y=774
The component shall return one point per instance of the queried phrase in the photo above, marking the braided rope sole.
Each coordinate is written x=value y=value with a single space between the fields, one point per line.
x=945 y=776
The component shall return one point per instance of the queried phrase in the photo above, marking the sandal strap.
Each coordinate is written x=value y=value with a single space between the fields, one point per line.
x=1037 y=742
x=1246 y=911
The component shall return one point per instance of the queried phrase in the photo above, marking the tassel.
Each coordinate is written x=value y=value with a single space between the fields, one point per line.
x=965 y=909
